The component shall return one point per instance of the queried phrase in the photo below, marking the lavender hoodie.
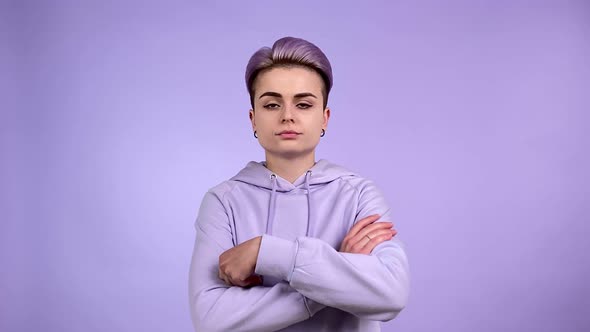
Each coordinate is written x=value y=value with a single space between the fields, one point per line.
x=308 y=285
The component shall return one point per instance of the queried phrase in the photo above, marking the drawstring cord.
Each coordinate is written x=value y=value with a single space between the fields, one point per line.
x=307 y=175
x=271 y=205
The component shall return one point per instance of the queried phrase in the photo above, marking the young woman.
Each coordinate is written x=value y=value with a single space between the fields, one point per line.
x=291 y=243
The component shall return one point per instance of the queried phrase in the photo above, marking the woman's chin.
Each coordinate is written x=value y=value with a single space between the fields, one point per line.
x=289 y=153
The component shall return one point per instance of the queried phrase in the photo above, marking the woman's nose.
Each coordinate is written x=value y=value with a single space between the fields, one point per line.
x=287 y=114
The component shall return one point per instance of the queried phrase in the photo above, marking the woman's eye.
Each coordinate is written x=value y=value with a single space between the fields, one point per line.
x=271 y=106
x=304 y=106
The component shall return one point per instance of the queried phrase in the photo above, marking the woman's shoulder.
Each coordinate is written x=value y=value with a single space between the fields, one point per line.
x=360 y=183
x=251 y=169
x=354 y=178
x=222 y=188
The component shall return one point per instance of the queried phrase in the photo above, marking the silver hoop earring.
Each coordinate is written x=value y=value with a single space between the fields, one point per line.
x=255 y=134
x=323 y=133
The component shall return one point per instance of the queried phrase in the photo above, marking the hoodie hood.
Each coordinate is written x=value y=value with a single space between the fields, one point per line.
x=321 y=173
x=256 y=173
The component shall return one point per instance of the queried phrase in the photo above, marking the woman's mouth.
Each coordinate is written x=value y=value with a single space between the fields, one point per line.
x=288 y=134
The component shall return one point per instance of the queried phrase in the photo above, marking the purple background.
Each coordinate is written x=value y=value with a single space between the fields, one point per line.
x=471 y=116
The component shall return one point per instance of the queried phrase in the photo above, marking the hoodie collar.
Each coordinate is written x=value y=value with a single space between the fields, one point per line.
x=323 y=171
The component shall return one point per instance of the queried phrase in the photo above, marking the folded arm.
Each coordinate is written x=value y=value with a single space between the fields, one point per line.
x=215 y=306
x=374 y=286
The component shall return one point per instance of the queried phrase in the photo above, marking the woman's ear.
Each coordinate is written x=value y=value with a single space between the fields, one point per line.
x=326 y=117
x=251 y=115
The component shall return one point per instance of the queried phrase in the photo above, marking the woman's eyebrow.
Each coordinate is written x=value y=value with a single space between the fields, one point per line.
x=299 y=95
x=305 y=94
x=271 y=94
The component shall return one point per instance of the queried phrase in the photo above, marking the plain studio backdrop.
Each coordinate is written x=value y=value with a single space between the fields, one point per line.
x=472 y=116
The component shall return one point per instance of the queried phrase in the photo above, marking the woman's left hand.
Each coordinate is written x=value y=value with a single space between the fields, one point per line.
x=366 y=234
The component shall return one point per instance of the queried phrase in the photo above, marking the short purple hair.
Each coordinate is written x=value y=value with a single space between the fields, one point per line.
x=289 y=52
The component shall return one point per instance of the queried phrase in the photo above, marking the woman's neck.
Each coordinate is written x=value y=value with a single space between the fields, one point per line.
x=289 y=169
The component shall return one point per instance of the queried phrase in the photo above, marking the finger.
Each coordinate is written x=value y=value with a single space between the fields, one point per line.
x=362 y=223
x=239 y=283
x=224 y=277
x=356 y=243
x=234 y=280
x=375 y=226
x=356 y=247
x=369 y=230
x=378 y=239
x=359 y=225
x=229 y=282
x=249 y=281
x=361 y=242
x=253 y=280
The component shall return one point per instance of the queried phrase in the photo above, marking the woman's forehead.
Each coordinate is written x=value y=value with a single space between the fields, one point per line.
x=289 y=80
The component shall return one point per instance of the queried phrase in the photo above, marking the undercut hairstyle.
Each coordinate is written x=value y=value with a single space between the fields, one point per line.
x=289 y=52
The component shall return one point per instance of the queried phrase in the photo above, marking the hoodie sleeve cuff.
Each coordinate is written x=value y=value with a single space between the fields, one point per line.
x=276 y=257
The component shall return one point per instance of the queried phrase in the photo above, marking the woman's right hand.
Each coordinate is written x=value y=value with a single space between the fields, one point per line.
x=366 y=234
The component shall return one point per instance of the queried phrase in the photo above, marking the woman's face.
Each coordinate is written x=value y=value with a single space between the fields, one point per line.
x=289 y=99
